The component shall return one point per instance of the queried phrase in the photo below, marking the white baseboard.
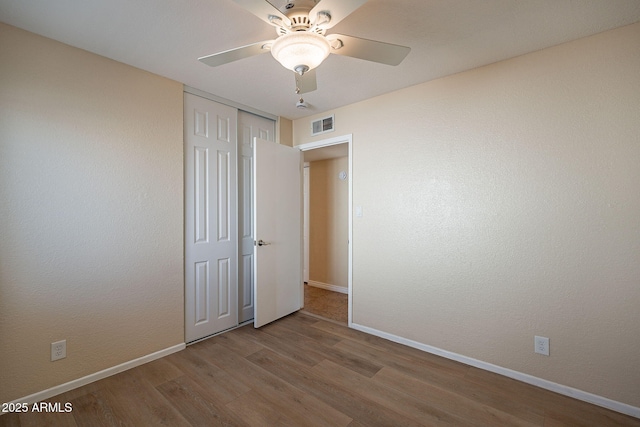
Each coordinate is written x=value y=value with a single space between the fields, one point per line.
x=526 y=378
x=54 y=391
x=334 y=288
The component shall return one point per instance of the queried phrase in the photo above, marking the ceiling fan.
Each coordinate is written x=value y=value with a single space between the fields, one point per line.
x=302 y=45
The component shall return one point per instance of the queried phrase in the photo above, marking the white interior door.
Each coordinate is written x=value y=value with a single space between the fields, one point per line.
x=211 y=235
x=277 y=181
x=249 y=127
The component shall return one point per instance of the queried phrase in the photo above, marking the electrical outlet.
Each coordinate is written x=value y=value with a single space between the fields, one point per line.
x=541 y=345
x=58 y=350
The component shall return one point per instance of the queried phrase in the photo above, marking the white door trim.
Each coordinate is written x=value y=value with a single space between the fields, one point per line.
x=344 y=139
x=230 y=103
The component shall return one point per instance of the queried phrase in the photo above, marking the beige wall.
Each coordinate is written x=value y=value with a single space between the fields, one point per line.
x=285 y=131
x=91 y=228
x=329 y=222
x=503 y=203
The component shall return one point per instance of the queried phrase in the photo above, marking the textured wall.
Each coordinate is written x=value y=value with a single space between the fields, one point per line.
x=91 y=192
x=285 y=131
x=503 y=203
x=329 y=222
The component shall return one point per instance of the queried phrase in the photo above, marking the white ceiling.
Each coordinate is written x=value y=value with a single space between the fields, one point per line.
x=166 y=37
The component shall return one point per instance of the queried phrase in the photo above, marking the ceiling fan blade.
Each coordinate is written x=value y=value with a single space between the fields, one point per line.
x=370 y=50
x=265 y=11
x=307 y=82
x=236 y=54
x=337 y=9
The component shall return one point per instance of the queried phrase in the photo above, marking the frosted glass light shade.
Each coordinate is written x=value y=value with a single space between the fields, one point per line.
x=300 y=49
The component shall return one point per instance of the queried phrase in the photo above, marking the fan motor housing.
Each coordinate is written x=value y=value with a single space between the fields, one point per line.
x=298 y=13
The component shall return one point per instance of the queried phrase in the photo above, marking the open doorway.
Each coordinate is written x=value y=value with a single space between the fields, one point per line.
x=327 y=233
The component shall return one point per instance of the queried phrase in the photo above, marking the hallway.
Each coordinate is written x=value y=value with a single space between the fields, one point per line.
x=328 y=304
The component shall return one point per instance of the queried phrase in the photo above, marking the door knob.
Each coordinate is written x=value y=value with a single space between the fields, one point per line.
x=263 y=243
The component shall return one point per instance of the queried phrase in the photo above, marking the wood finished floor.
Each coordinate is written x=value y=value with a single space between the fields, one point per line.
x=302 y=371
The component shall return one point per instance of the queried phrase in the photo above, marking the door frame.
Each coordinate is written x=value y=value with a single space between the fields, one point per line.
x=344 y=139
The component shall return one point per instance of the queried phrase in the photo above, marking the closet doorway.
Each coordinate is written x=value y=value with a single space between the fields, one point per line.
x=219 y=251
x=327 y=228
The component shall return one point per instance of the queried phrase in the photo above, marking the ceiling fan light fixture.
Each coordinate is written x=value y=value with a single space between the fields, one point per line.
x=300 y=51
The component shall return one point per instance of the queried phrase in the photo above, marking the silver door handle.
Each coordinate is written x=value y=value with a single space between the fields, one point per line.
x=263 y=243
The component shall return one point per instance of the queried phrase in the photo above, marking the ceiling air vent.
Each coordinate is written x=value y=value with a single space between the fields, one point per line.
x=323 y=125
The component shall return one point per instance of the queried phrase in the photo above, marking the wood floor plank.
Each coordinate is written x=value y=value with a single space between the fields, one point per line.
x=140 y=405
x=421 y=369
x=68 y=396
x=341 y=331
x=314 y=415
x=285 y=348
x=417 y=409
x=92 y=410
x=300 y=323
x=587 y=418
x=254 y=410
x=451 y=402
x=440 y=363
x=159 y=371
x=236 y=343
x=45 y=419
x=552 y=405
x=350 y=360
x=494 y=384
x=606 y=416
x=137 y=402
x=346 y=401
x=191 y=400
x=281 y=394
x=502 y=395
x=450 y=378
x=509 y=386
x=10 y=419
x=219 y=385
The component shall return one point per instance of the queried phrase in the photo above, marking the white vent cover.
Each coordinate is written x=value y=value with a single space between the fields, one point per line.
x=323 y=125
